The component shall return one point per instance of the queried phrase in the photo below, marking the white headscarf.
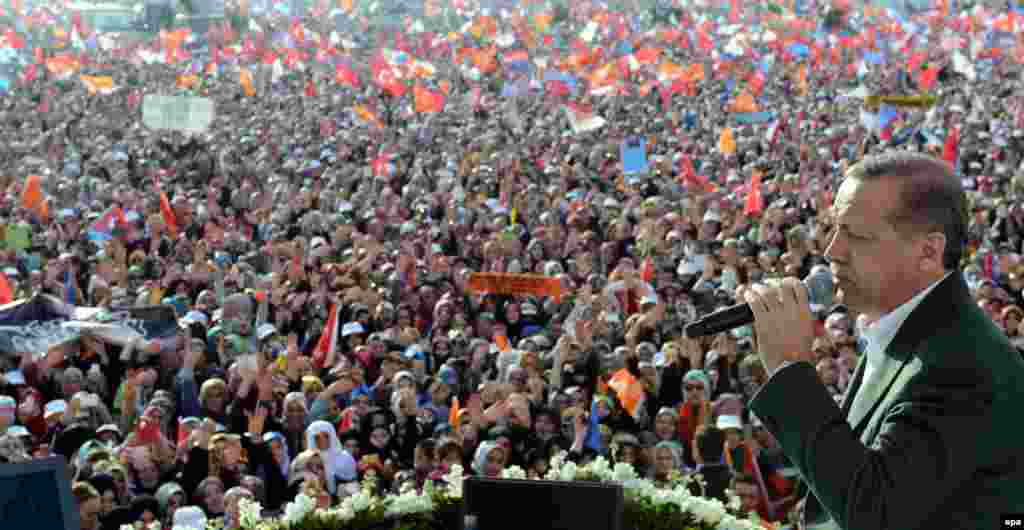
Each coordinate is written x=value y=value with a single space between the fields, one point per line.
x=337 y=462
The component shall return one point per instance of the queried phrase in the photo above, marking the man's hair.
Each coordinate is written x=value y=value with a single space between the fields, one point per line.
x=710 y=443
x=932 y=199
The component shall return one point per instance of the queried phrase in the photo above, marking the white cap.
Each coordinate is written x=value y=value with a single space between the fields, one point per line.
x=351 y=329
x=15 y=378
x=56 y=407
x=729 y=422
x=189 y=518
x=265 y=330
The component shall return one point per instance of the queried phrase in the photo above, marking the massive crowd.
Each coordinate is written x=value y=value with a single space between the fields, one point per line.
x=317 y=241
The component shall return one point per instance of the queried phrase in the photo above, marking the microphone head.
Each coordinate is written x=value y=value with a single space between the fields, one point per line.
x=820 y=288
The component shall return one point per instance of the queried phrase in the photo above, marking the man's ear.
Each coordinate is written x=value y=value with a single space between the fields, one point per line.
x=933 y=249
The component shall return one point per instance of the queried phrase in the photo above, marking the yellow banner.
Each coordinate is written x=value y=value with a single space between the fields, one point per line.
x=914 y=102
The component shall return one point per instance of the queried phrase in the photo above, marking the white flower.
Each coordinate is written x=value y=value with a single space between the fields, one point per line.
x=735 y=503
x=250 y=514
x=409 y=502
x=710 y=511
x=514 y=472
x=454 y=481
x=127 y=527
x=296 y=511
x=623 y=472
x=568 y=472
x=343 y=512
x=600 y=468
x=360 y=502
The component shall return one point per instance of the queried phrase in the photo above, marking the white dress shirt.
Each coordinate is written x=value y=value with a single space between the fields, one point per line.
x=880 y=334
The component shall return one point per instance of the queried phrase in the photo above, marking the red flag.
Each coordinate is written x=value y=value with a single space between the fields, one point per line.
x=328 y=339
x=166 y=211
x=928 y=77
x=951 y=148
x=297 y=33
x=386 y=78
x=6 y=293
x=647 y=270
x=735 y=11
x=345 y=75
x=310 y=89
x=381 y=165
x=755 y=203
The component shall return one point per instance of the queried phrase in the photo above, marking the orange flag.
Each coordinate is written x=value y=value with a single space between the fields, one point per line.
x=501 y=342
x=168 y=214
x=368 y=116
x=745 y=103
x=755 y=203
x=347 y=5
x=726 y=143
x=6 y=293
x=245 y=78
x=32 y=195
x=187 y=81
x=428 y=101
x=453 y=413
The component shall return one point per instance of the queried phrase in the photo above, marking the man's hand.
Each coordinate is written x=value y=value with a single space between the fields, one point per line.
x=256 y=421
x=783 y=322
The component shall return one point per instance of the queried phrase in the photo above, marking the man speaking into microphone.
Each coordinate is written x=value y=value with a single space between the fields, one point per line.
x=927 y=435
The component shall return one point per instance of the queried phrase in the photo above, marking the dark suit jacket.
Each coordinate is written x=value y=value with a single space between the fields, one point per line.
x=937 y=442
x=716 y=481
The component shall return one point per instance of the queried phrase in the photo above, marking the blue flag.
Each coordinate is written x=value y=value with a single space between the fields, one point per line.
x=594 y=430
x=634 y=155
x=69 y=288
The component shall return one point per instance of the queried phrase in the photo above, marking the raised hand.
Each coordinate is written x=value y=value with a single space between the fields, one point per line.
x=256 y=421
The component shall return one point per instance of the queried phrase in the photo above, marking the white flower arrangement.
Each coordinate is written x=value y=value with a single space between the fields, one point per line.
x=155 y=525
x=708 y=513
x=297 y=510
x=453 y=481
x=409 y=502
x=250 y=514
x=513 y=472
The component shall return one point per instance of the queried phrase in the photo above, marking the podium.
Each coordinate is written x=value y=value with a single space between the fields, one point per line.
x=542 y=505
x=37 y=494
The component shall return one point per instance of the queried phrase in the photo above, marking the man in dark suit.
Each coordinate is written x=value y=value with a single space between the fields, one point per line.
x=713 y=473
x=926 y=437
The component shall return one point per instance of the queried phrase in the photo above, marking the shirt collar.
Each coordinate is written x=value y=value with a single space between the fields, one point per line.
x=881 y=333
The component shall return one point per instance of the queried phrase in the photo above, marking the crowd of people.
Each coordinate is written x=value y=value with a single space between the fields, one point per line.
x=317 y=241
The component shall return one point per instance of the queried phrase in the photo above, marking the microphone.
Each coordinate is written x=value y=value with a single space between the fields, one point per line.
x=819 y=292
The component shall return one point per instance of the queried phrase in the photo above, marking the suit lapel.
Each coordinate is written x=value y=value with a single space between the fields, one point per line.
x=872 y=392
x=908 y=368
x=853 y=386
x=940 y=307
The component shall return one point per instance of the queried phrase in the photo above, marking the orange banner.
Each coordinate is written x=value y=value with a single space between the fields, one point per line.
x=515 y=284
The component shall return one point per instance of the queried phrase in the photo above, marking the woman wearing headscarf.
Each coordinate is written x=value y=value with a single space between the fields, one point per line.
x=489 y=460
x=170 y=496
x=294 y=422
x=213 y=397
x=220 y=456
x=668 y=460
x=308 y=472
x=695 y=410
x=339 y=466
x=274 y=471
